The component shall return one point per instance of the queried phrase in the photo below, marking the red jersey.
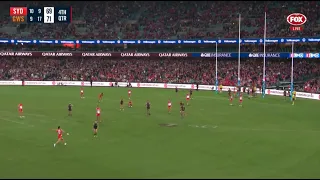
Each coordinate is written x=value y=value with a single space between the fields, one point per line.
x=59 y=132
x=100 y=95
x=129 y=92
x=98 y=110
x=240 y=98
x=20 y=106
x=188 y=96
x=169 y=104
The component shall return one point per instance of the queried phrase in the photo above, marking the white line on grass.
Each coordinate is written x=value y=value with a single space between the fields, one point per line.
x=203 y=126
x=272 y=130
x=28 y=114
x=37 y=115
x=253 y=129
x=249 y=100
x=9 y=112
x=17 y=122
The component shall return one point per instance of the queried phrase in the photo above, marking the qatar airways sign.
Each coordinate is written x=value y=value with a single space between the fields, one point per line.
x=90 y=54
x=161 y=55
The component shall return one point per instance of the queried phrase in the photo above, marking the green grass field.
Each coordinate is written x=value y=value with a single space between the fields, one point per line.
x=266 y=138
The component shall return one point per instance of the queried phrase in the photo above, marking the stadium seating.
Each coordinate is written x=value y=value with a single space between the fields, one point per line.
x=155 y=70
x=167 y=20
x=163 y=20
x=312 y=86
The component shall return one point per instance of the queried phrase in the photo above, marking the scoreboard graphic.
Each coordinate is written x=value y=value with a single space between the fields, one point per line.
x=46 y=15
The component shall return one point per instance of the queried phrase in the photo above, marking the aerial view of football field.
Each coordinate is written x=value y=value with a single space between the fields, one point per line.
x=265 y=138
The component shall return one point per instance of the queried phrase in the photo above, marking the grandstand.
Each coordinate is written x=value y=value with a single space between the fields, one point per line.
x=150 y=45
x=140 y=20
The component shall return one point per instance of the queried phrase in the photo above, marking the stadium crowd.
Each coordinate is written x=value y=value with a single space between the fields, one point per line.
x=167 y=19
x=169 y=70
x=163 y=20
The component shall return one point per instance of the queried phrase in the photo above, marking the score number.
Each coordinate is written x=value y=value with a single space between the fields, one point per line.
x=49 y=15
x=39 y=18
x=35 y=15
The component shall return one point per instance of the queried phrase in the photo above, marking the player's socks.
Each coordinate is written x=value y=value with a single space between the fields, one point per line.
x=54 y=145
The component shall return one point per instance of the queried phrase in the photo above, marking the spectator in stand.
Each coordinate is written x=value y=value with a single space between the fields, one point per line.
x=168 y=70
x=168 y=19
x=164 y=20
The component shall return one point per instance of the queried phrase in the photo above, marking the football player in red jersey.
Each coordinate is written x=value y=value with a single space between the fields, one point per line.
x=169 y=106
x=130 y=104
x=60 y=138
x=81 y=93
x=20 y=109
x=98 y=112
x=231 y=99
x=188 y=98
x=240 y=100
x=129 y=93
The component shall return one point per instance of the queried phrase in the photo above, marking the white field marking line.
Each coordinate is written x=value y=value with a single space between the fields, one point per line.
x=38 y=115
x=17 y=122
x=27 y=114
x=203 y=126
x=258 y=102
x=274 y=130
x=254 y=129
